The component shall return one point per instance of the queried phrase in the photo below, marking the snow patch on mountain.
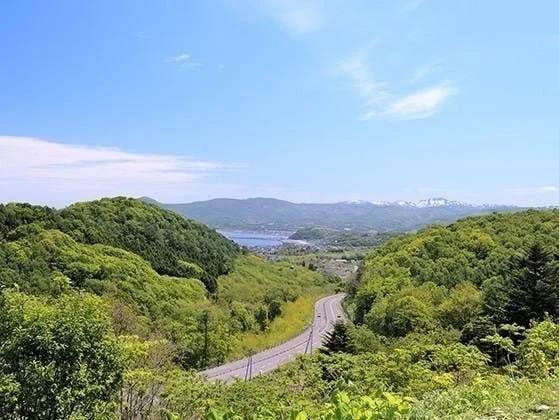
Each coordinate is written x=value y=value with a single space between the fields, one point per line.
x=429 y=202
x=440 y=202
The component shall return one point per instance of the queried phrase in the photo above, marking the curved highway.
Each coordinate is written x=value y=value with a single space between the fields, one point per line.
x=326 y=311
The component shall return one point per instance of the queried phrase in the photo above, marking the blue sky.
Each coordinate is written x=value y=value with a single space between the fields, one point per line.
x=305 y=100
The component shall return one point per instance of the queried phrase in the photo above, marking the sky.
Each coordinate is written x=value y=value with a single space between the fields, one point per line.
x=303 y=100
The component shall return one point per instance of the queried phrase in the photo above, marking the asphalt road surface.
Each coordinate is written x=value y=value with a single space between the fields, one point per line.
x=326 y=311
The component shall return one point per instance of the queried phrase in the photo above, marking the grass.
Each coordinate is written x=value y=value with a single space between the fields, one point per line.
x=252 y=279
x=295 y=317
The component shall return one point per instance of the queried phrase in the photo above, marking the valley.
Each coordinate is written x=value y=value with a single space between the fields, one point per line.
x=163 y=314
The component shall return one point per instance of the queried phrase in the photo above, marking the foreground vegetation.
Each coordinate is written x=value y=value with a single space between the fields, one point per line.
x=97 y=297
x=452 y=322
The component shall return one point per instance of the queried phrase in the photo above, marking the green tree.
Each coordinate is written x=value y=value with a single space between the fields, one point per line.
x=262 y=317
x=462 y=305
x=396 y=317
x=57 y=359
x=534 y=282
x=538 y=354
x=338 y=340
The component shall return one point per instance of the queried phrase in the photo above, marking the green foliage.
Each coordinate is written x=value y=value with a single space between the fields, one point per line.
x=538 y=354
x=147 y=365
x=397 y=317
x=57 y=359
x=475 y=275
x=262 y=317
x=533 y=286
x=492 y=397
x=172 y=245
x=14 y=215
x=338 y=340
x=118 y=249
x=383 y=405
x=256 y=281
x=434 y=316
x=461 y=306
x=340 y=239
x=343 y=406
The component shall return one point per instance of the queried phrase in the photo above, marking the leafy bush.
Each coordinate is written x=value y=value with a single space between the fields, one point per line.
x=57 y=359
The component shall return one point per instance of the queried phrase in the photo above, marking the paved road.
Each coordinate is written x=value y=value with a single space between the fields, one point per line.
x=326 y=311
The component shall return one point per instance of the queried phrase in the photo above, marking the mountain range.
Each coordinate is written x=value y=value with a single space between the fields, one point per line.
x=269 y=214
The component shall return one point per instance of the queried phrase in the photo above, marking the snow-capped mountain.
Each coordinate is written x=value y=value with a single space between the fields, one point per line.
x=430 y=202
x=265 y=214
x=404 y=203
x=439 y=202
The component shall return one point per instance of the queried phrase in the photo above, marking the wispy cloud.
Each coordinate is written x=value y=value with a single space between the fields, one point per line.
x=31 y=167
x=357 y=68
x=421 y=104
x=184 y=61
x=298 y=16
x=424 y=71
x=178 y=58
x=379 y=99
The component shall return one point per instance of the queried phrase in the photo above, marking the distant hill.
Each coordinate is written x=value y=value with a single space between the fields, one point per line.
x=336 y=238
x=172 y=245
x=361 y=216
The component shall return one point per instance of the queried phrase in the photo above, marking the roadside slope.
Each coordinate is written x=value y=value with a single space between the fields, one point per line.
x=327 y=310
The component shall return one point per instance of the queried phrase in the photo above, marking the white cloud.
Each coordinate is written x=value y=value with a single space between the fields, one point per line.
x=421 y=104
x=549 y=188
x=184 y=61
x=41 y=171
x=379 y=99
x=178 y=58
x=298 y=16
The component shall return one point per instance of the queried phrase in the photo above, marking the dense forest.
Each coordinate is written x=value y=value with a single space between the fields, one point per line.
x=451 y=322
x=172 y=245
x=454 y=321
x=87 y=292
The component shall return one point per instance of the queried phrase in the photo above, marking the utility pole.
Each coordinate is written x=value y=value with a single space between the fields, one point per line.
x=308 y=348
x=248 y=372
x=205 y=319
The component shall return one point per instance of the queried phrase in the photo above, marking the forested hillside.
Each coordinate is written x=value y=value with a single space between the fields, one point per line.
x=455 y=321
x=500 y=268
x=171 y=244
x=87 y=291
